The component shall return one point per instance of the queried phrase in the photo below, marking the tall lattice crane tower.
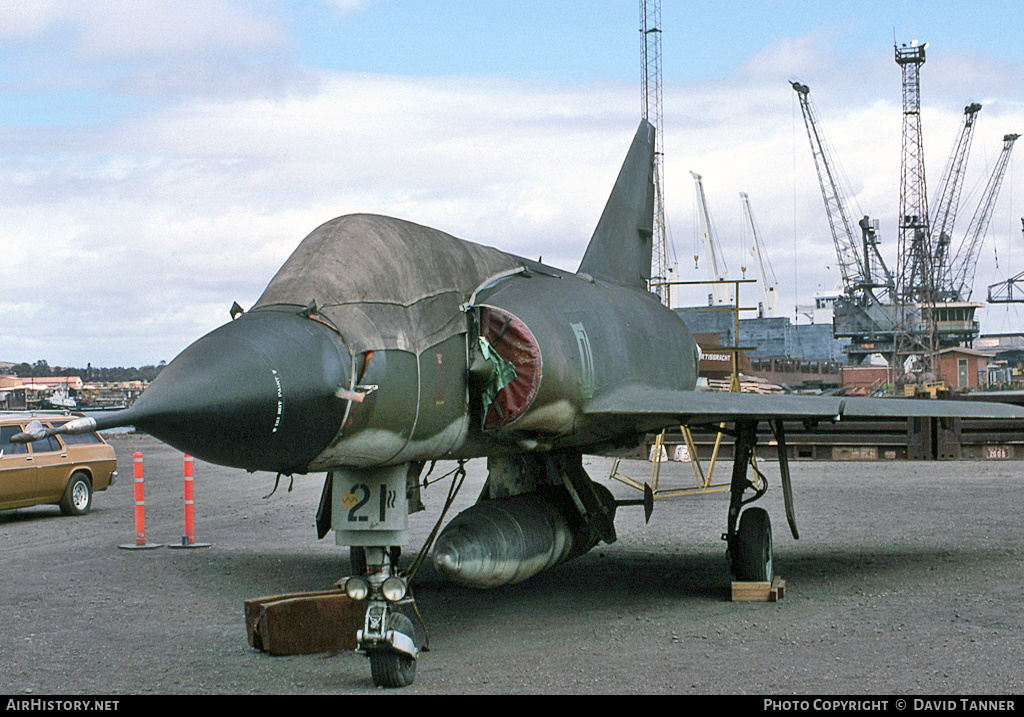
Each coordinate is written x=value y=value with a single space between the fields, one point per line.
x=915 y=275
x=653 y=112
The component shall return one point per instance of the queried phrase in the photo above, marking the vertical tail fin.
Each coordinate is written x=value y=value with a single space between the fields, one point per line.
x=620 y=250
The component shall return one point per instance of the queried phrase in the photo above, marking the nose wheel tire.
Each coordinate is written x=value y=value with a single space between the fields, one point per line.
x=753 y=550
x=390 y=668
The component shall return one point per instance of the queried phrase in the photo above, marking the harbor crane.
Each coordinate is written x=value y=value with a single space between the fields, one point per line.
x=947 y=202
x=964 y=264
x=863 y=269
x=653 y=112
x=864 y=312
x=769 y=284
x=1010 y=291
x=906 y=314
x=717 y=271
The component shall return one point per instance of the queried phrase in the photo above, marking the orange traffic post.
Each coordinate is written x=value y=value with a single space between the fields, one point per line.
x=188 y=540
x=140 y=509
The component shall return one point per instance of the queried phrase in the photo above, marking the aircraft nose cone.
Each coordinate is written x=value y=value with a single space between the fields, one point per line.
x=257 y=393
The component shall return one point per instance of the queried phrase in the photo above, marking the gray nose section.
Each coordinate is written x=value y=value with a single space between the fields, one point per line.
x=258 y=393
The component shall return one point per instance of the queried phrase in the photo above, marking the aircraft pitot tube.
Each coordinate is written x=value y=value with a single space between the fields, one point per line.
x=507 y=540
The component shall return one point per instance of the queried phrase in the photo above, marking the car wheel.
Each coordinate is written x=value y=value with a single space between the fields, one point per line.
x=77 y=498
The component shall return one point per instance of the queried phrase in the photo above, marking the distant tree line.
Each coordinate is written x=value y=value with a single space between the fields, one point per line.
x=89 y=374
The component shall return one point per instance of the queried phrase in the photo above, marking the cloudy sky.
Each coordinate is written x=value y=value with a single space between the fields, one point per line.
x=160 y=159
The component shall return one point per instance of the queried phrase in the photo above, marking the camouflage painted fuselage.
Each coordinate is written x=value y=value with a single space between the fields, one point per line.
x=579 y=342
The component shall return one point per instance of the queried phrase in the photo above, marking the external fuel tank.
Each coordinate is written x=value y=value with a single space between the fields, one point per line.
x=507 y=540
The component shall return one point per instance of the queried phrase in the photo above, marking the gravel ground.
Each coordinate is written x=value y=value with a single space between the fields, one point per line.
x=907 y=579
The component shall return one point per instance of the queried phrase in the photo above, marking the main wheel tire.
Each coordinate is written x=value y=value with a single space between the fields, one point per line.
x=753 y=559
x=77 y=498
x=390 y=668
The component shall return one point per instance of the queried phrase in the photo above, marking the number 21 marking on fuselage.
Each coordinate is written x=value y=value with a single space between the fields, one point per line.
x=387 y=501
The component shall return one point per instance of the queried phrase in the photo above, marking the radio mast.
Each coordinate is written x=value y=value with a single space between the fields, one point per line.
x=653 y=112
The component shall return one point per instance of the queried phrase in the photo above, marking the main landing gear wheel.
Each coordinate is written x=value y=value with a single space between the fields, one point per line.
x=753 y=558
x=390 y=668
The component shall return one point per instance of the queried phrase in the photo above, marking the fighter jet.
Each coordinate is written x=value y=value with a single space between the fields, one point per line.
x=382 y=345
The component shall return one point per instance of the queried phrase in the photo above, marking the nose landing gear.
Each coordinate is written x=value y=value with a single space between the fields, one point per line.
x=388 y=636
x=369 y=511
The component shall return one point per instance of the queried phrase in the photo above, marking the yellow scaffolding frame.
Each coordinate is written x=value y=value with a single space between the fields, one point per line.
x=704 y=484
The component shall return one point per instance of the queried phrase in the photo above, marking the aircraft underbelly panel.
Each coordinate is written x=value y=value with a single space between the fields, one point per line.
x=375 y=448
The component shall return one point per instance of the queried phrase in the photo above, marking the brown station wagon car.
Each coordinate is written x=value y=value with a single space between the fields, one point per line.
x=59 y=470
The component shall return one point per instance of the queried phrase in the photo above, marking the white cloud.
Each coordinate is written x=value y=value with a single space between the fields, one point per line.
x=159 y=223
x=174 y=27
x=25 y=19
x=155 y=221
x=127 y=28
x=795 y=55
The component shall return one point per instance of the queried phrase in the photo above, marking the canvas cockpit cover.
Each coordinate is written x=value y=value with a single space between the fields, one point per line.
x=385 y=283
